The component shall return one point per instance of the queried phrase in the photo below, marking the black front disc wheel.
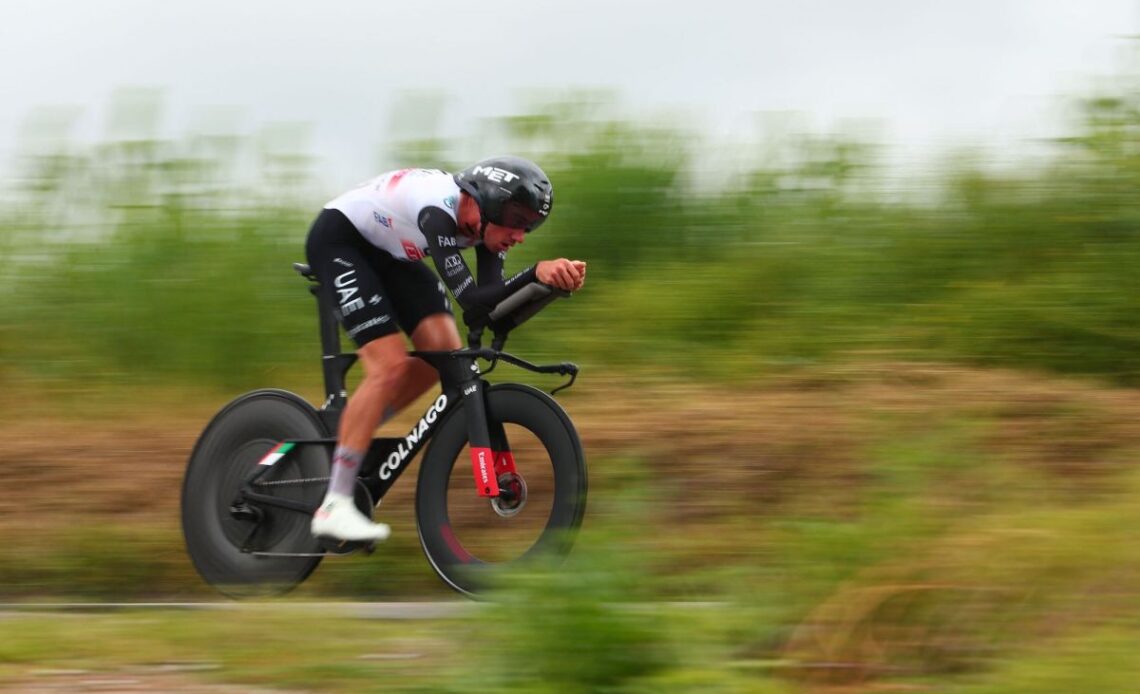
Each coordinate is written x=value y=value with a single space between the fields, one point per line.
x=470 y=539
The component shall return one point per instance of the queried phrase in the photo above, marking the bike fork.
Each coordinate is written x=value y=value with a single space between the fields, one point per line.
x=483 y=456
x=490 y=453
x=487 y=465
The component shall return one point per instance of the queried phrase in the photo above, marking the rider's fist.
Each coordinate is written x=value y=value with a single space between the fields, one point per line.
x=568 y=275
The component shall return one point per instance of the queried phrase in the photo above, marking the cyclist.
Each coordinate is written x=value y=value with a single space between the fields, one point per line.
x=365 y=248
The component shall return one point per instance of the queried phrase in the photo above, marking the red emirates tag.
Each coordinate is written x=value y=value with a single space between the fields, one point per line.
x=413 y=251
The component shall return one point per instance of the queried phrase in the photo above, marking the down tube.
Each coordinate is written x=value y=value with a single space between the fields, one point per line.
x=398 y=456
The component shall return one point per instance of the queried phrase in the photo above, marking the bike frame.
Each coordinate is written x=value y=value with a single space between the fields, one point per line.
x=461 y=381
x=387 y=457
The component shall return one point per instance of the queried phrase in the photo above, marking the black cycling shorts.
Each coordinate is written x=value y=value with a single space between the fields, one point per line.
x=374 y=294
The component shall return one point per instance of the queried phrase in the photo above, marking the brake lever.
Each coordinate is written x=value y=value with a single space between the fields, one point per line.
x=571 y=369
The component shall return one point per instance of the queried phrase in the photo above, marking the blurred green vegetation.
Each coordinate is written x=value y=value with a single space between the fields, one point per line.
x=938 y=529
x=149 y=260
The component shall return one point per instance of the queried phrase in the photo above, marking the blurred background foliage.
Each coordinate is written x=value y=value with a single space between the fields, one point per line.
x=828 y=512
x=141 y=259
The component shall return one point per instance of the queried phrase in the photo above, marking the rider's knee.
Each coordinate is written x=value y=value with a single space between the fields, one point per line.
x=389 y=377
x=385 y=378
x=437 y=332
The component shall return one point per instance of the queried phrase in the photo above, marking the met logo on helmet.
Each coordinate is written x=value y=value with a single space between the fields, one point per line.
x=495 y=174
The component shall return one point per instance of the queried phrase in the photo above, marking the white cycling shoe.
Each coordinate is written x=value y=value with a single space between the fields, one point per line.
x=338 y=518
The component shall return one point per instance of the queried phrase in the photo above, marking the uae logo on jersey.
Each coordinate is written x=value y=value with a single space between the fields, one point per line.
x=412 y=250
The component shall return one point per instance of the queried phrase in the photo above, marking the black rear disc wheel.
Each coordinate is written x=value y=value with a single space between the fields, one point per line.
x=224 y=548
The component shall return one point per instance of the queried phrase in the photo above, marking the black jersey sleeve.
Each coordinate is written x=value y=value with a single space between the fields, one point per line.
x=476 y=298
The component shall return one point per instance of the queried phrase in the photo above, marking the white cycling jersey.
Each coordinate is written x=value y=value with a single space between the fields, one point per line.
x=386 y=209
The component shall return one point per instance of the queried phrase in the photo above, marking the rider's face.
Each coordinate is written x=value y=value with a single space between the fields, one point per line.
x=499 y=238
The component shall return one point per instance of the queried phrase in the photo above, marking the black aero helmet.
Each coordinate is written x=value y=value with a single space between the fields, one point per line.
x=510 y=191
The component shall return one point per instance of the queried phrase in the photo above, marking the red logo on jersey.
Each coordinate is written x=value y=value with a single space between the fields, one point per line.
x=413 y=251
x=395 y=179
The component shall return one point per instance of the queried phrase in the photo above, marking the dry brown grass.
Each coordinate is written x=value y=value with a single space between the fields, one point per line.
x=719 y=449
x=713 y=454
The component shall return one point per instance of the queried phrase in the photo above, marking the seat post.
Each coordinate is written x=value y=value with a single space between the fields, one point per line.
x=334 y=364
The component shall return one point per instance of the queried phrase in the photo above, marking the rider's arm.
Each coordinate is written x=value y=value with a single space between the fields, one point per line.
x=477 y=300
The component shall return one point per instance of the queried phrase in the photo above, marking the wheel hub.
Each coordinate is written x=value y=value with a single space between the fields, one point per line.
x=512 y=494
x=243 y=511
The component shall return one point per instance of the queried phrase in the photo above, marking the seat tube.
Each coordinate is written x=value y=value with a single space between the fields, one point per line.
x=334 y=365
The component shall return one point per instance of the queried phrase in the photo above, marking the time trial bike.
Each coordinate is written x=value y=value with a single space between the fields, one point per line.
x=503 y=478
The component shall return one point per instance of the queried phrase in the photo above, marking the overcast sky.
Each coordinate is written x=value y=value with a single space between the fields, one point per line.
x=928 y=71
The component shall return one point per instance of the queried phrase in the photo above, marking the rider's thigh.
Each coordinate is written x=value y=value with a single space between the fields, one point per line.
x=437 y=332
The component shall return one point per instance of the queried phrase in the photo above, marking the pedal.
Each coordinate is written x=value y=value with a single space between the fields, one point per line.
x=334 y=545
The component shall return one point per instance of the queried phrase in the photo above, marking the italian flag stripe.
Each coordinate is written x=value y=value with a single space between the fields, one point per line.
x=277 y=453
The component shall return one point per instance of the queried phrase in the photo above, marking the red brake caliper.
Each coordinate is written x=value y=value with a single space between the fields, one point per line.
x=504 y=462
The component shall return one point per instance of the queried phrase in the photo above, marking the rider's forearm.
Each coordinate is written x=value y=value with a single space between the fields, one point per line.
x=476 y=299
x=481 y=299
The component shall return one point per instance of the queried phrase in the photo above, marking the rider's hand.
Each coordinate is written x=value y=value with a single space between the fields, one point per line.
x=568 y=275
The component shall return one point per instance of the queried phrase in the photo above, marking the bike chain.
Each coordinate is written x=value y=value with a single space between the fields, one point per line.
x=283 y=483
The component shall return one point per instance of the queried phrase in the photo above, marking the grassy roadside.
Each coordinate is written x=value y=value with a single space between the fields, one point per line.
x=568 y=640
x=867 y=523
x=281 y=647
x=288 y=647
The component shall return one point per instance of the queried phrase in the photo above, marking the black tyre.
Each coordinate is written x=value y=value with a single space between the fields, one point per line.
x=469 y=539
x=226 y=454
